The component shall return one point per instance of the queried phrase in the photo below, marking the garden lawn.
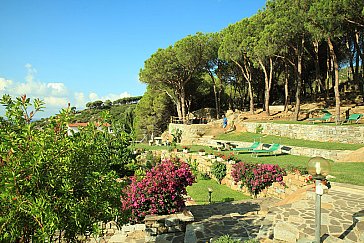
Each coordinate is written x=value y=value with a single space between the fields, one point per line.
x=221 y=193
x=252 y=137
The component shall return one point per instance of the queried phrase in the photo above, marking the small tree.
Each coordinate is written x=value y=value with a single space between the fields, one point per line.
x=50 y=181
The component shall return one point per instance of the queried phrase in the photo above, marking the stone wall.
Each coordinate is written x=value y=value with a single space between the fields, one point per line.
x=322 y=133
x=191 y=134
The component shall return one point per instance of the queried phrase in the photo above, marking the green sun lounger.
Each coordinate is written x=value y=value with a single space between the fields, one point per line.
x=273 y=148
x=353 y=117
x=324 y=118
x=255 y=145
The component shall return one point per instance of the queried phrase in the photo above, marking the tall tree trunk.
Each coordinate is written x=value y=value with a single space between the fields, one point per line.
x=251 y=98
x=178 y=106
x=359 y=55
x=215 y=95
x=286 y=95
x=183 y=104
x=268 y=83
x=318 y=84
x=328 y=74
x=247 y=75
x=299 y=53
x=351 y=75
x=298 y=88
x=336 y=87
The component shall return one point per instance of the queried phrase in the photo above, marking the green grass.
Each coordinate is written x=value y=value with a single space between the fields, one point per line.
x=221 y=193
x=350 y=173
x=251 y=137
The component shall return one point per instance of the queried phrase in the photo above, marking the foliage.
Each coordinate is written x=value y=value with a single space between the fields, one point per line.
x=177 y=136
x=175 y=66
x=229 y=239
x=226 y=156
x=302 y=170
x=257 y=177
x=203 y=176
x=193 y=166
x=218 y=169
x=152 y=113
x=51 y=181
x=226 y=239
x=259 y=129
x=159 y=192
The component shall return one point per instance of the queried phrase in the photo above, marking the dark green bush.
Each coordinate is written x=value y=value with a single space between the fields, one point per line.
x=51 y=182
x=218 y=169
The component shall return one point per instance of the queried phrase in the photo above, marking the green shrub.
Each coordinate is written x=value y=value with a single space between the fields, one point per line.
x=193 y=166
x=51 y=182
x=297 y=169
x=226 y=239
x=203 y=176
x=259 y=129
x=218 y=169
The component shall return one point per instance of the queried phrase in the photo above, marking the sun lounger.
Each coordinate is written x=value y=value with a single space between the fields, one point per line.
x=271 y=150
x=326 y=117
x=255 y=145
x=353 y=117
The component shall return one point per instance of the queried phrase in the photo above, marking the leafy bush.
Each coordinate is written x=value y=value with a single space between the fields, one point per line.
x=203 y=176
x=159 y=192
x=226 y=157
x=51 y=182
x=226 y=239
x=193 y=166
x=257 y=177
x=259 y=129
x=218 y=169
x=297 y=169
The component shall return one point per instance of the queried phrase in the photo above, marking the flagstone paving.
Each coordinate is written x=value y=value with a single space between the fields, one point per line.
x=260 y=218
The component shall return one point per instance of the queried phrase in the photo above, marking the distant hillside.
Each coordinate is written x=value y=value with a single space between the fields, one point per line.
x=118 y=109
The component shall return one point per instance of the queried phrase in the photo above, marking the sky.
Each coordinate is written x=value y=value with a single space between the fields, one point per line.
x=77 y=51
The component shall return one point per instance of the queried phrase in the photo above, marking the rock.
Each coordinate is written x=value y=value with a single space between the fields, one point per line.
x=118 y=238
x=286 y=232
x=190 y=235
x=172 y=221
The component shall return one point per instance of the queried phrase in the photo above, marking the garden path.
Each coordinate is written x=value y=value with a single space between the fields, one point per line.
x=265 y=218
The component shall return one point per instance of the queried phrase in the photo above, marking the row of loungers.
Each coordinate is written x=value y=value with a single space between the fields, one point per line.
x=256 y=148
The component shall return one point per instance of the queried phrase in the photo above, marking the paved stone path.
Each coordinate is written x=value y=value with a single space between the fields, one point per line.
x=242 y=220
x=338 y=208
x=291 y=222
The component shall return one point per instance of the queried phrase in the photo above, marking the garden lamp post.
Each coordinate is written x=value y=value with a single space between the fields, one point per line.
x=210 y=192
x=319 y=168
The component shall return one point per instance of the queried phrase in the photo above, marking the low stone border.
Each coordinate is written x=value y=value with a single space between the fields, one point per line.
x=165 y=224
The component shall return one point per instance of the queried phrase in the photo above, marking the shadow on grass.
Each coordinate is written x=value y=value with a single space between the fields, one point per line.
x=270 y=155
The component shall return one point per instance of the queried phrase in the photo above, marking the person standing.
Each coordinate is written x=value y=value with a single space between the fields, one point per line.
x=224 y=121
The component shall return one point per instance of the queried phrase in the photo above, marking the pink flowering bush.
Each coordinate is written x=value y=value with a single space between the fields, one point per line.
x=159 y=192
x=257 y=177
